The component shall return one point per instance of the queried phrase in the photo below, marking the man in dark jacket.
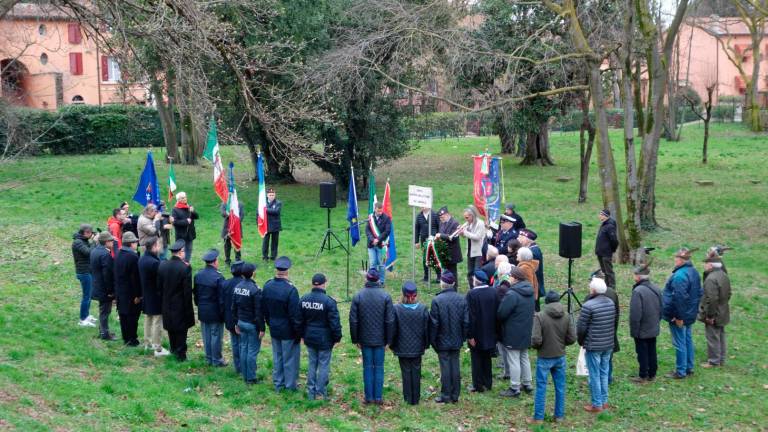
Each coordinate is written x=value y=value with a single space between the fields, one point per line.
x=553 y=330
x=209 y=299
x=230 y=322
x=505 y=234
x=595 y=332
x=448 y=226
x=515 y=315
x=680 y=300
x=605 y=245
x=644 y=318
x=225 y=233
x=714 y=311
x=103 y=273
x=128 y=289
x=152 y=302
x=247 y=312
x=274 y=226
x=410 y=339
x=377 y=231
x=427 y=223
x=482 y=304
x=174 y=279
x=82 y=243
x=527 y=238
x=184 y=216
x=321 y=329
x=282 y=312
x=371 y=326
x=449 y=325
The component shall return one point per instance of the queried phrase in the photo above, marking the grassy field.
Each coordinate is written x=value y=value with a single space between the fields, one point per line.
x=55 y=375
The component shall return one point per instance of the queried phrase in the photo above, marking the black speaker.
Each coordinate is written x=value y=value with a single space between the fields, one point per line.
x=570 y=240
x=327 y=195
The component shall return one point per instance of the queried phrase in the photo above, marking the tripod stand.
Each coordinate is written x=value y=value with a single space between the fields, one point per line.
x=569 y=292
x=328 y=239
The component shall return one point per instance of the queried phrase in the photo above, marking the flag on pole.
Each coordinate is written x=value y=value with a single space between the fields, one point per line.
x=354 y=229
x=262 y=213
x=147 y=191
x=371 y=190
x=235 y=228
x=487 y=186
x=171 y=182
x=212 y=154
x=391 y=249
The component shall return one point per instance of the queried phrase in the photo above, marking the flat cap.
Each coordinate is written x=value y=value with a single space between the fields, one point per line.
x=283 y=263
x=210 y=255
x=129 y=237
x=177 y=246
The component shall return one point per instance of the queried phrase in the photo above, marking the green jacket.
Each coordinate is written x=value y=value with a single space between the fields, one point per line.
x=714 y=303
x=552 y=331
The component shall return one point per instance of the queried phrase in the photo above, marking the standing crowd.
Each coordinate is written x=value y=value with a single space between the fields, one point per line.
x=500 y=316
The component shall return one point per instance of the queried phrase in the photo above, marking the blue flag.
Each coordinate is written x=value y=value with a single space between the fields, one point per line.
x=148 y=191
x=354 y=229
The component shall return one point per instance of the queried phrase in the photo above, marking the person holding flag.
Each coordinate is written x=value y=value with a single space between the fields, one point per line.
x=390 y=244
x=232 y=230
x=272 y=208
x=378 y=230
x=184 y=217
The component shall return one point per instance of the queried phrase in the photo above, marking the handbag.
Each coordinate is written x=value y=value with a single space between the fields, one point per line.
x=581 y=363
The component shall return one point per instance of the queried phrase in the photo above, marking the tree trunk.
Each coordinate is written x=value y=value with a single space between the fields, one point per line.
x=167 y=122
x=537 y=147
x=520 y=145
x=585 y=152
x=752 y=95
x=633 y=216
x=278 y=168
x=707 y=118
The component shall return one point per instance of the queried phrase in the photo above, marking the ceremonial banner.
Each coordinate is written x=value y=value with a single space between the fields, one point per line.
x=391 y=249
x=235 y=228
x=212 y=154
x=354 y=229
x=147 y=191
x=262 y=210
x=487 y=186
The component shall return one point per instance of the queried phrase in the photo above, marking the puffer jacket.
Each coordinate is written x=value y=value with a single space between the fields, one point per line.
x=449 y=320
x=552 y=331
x=411 y=330
x=595 y=329
x=371 y=316
x=682 y=293
x=81 y=252
x=515 y=314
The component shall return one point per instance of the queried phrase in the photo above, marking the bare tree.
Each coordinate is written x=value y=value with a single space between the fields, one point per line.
x=585 y=146
x=703 y=111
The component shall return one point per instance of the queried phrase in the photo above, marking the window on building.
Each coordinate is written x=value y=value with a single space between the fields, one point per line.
x=44 y=58
x=76 y=63
x=41 y=29
x=110 y=69
x=77 y=99
x=74 y=34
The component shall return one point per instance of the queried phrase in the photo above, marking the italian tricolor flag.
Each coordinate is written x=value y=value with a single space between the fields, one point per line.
x=171 y=183
x=262 y=213
x=234 y=228
x=212 y=154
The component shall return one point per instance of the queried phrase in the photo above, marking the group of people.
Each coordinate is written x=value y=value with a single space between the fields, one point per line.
x=499 y=316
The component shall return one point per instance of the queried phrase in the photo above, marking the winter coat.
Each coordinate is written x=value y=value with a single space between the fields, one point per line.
x=475 y=234
x=371 y=316
x=247 y=304
x=515 y=313
x=209 y=299
x=185 y=230
x=449 y=320
x=552 y=331
x=454 y=245
x=538 y=256
x=174 y=278
x=682 y=293
x=115 y=227
x=611 y=294
x=273 y=216
x=81 y=252
x=228 y=292
x=529 y=268
x=482 y=305
x=225 y=216
x=147 y=228
x=321 y=325
x=717 y=292
x=606 y=241
x=422 y=229
x=102 y=268
x=644 y=310
x=281 y=309
x=152 y=300
x=501 y=239
x=595 y=329
x=127 y=281
x=384 y=224
x=410 y=337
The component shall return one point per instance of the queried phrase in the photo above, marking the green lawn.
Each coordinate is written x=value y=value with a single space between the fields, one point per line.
x=56 y=375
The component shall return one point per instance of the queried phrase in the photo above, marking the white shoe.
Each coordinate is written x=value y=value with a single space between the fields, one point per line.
x=92 y=319
x=86 y=323
x=162 y=352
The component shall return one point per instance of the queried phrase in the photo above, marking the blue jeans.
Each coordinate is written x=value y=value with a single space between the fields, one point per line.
x=682 y=340
x=250 y=345
x=373 y=372
x=317 y=373
x=234 y=339
x=188 y=251
x=85 y=303
x=544 y=367
x=598 y=363
x=376 y=258
x=212 y=335
x=286 y=355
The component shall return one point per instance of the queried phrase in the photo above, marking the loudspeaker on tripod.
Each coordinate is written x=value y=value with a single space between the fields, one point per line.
x=570 y=239
x=327 y=195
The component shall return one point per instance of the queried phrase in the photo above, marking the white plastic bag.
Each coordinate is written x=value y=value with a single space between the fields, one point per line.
x=581 y=363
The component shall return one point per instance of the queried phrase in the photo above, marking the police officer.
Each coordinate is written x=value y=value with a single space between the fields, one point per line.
x=321 y=330
x=210 y=307
x=174 y=279
x=505 y=234
x=247 y=309
x=230 y=322
x=282 y=313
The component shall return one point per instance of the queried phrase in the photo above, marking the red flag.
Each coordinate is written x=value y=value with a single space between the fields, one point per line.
x=235 y=228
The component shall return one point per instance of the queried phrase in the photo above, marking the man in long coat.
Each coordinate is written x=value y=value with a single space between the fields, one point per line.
x=152 y=305
x=174 y=278
x=128 y=289
x=448 y=226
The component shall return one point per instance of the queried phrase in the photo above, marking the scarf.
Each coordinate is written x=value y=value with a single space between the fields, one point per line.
x=181 y=205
